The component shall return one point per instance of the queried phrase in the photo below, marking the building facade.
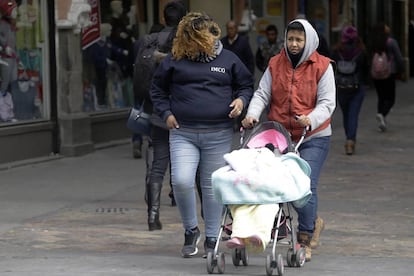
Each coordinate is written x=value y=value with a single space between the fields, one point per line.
x=66 y=65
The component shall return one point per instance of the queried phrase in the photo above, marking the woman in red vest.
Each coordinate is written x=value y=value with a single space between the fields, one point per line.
x=298 y=86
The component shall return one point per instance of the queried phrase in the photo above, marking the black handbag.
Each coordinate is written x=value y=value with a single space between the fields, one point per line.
x=139 y=121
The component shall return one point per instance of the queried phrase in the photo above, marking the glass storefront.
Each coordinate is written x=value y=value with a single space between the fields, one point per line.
x=23 y=55
x=108 y=60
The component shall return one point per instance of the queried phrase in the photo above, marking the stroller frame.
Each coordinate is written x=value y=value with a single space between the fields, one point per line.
x=295 y=255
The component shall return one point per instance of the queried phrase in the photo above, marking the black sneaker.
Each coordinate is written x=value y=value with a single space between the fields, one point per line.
x=192 y=237
x=209 y=245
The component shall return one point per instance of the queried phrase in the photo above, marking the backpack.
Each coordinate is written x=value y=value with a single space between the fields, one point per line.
x=380 y=66
x=346 y=74
x=145 y=64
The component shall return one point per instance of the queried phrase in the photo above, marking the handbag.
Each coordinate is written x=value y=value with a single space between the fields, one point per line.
x=139 y=121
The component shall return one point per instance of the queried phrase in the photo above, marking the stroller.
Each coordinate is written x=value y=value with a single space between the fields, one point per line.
x=260 y=136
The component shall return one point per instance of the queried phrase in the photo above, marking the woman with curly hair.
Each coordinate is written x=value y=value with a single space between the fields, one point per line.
x=198 y=90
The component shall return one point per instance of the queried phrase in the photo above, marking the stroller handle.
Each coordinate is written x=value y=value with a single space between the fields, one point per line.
x=302 y=137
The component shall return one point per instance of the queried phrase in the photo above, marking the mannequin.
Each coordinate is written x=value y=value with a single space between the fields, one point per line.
x=116 y=8
x=27 y=25
x=120 y=38
x=101 y=54
x=99 y=60
x=8 y=10
x=132 y=23
x=119 y=24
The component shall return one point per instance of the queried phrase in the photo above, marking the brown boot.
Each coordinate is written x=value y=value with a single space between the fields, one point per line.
x=350 y=147
x=304 y=240
x=319 y=226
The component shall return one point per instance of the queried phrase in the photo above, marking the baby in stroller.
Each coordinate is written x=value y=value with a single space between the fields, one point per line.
x=263 y=173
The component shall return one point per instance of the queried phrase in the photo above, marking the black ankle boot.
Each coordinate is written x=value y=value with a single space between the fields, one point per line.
x=154 y=222
x=154 y=194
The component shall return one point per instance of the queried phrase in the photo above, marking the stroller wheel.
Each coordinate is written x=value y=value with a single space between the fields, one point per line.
x=280 y=265
x=236 y=256
x=300 y=257
x=211 y=263
x=269 y=265
x=289 y=258
x=244 y=257
x=221 y=263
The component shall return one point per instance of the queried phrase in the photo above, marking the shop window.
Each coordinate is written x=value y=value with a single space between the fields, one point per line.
x=108 y=61
x=22 y=48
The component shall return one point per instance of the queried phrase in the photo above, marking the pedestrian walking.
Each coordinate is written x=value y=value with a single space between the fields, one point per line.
x=386 y=86
x=268 y=48
x=198 y=91
x=158 y=153
x=352 y=69
x=299 y=88
x=238 y=44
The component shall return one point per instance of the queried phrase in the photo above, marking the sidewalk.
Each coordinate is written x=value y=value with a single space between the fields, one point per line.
x=87 y=215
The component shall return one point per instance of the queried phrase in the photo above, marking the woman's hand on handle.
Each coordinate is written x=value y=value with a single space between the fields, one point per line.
x=249 y=122
x=303 y=120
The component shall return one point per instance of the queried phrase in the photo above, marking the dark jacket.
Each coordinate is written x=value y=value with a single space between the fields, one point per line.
x=241 y=47
x=199 y=94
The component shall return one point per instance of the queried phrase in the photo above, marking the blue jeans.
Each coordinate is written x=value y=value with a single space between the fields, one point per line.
x=314 y=152
x=350 y=103
x=204 y=150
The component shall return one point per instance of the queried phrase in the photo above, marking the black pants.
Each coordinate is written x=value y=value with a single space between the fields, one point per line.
x=386 y=94
x=161 y=157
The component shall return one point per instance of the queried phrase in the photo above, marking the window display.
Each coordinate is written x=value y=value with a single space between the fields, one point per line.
x=108 y=62
x=21 y=43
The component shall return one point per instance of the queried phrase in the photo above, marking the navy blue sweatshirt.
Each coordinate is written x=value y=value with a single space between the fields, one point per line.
x=199 y=94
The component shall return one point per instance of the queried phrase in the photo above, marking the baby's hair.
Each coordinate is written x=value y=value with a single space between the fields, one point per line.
x=270 y=146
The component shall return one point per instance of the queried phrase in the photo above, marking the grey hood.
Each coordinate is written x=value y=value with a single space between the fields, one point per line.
x=311 y=36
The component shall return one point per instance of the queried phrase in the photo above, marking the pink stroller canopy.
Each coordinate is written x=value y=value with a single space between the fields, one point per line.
x=269 y=136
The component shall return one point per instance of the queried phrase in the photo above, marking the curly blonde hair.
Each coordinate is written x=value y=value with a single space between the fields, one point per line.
x=196 y=33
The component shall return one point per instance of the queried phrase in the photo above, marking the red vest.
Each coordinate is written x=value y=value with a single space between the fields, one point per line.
x=294 y=90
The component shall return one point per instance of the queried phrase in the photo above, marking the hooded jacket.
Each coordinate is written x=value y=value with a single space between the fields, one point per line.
x=308 y=89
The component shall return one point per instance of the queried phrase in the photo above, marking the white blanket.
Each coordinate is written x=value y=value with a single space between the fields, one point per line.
x=257 y=176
